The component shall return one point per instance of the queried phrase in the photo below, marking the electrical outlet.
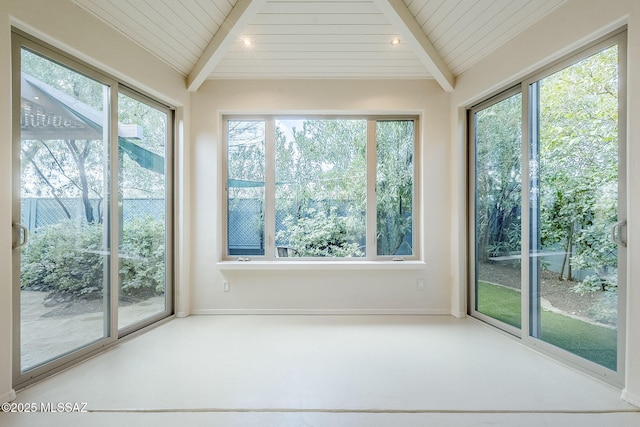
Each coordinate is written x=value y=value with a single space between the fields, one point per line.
x=420 y=284
x=226 y=286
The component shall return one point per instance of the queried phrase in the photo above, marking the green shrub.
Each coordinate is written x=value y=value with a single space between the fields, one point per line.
x=68 y=258
x=65 y=258
x=319 y=234
x=142 y=269
x=594 y=283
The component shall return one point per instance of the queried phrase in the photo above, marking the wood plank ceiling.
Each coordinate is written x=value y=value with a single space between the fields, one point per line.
x=266 y=39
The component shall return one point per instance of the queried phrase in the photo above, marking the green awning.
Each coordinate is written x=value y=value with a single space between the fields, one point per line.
x=141 y=156
x=241 y=183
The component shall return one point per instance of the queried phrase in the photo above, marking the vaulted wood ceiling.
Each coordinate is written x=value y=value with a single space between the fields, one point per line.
x=256 y=39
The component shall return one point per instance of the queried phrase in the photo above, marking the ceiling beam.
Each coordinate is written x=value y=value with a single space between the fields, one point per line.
x=240 y=16
x=402 y=19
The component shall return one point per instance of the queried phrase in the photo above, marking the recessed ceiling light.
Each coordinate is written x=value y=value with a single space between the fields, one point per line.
x=395 y=41
x=246 y=41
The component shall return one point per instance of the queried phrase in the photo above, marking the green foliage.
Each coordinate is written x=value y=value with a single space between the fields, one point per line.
x=574 y=175
x=321 y=185
x=593 y=283
x=320 y=160
x=64 y=168
x=322 y=164
x=138 y=182
x=596 y=251
x=68 y=258
x=498 y=178
x=64 y=79
x=579 y=165
x=64 y=257
x=143 y=268
x=75 y=168
x=394 y=189
x=320 y=234
x=246 y=162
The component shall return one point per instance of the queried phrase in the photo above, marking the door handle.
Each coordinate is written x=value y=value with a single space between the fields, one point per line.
x=25 y=233
x=616 y=236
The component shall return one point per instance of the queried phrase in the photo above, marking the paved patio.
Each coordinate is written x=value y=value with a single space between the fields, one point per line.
x=47 y=332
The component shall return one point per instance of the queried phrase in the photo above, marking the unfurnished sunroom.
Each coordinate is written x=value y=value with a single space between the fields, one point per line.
x=383 y=157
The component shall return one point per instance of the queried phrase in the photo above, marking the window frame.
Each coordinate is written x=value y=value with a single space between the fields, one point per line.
x=269 y=192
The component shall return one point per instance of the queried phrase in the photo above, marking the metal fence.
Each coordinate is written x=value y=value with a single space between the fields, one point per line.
x=245 y=231
x=38 y=212
x=245 y=223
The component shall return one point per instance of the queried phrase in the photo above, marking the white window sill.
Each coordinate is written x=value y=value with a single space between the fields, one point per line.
x=321 y=265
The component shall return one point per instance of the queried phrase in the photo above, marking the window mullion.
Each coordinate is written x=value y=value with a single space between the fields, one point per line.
x=113 y=224
x=270 y=189
x=371 y=191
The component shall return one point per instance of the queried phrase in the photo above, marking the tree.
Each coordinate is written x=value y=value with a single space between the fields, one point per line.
x=68 y=168
x=578 y=160
x=574 y=174
x=245 y=182
x=394 y=188
x=73 y=167
x=498 y=133
x=65 y=156
x=321 y=186
x=321 y=182
x=137 y=181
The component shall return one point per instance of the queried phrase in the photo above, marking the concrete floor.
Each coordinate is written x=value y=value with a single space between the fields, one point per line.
x=325 y=371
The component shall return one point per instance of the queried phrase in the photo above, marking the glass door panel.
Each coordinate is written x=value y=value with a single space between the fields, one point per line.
x=497 y=215
x=574 y=205
x=142 y=187
x=64 y=265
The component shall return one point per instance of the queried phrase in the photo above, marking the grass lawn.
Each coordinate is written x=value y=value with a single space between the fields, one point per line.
x=500 y=303
x=595 y=343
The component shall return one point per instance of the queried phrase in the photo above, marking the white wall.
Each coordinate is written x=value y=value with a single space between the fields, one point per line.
x=567 y=28
x=66 y=26
x=326 y=290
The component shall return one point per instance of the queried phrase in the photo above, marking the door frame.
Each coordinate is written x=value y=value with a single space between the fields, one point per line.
x=616 y=378
x=472 y=203
x=618 y=38
x=21 y=379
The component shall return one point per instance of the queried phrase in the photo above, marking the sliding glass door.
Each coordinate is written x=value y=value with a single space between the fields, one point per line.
x=92 y=211
x=548 y=254
x=577 y=208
